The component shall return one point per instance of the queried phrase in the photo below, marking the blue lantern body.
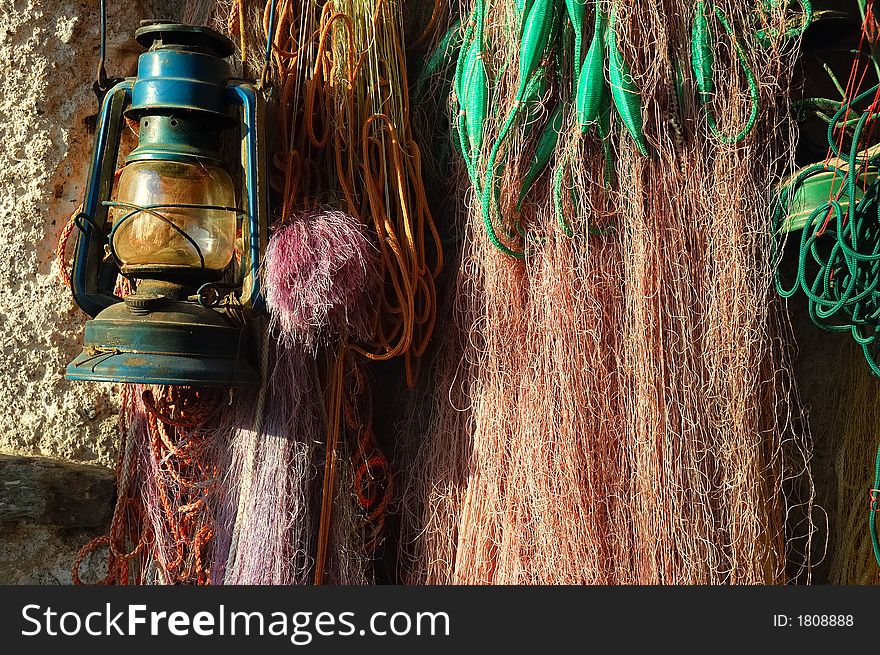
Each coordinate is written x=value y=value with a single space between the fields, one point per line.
x=185 y=220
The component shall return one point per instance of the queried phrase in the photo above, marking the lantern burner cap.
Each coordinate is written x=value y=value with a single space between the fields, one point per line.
x=154 y=35
x=144 y=303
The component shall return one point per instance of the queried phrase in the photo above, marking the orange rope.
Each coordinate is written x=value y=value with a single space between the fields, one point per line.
x=115 y=573
x=373 y=479
x=64 y=237
x=345 y=124
x=183 y=483
x=377 y=171
x=412 y=306
x=236 y=25
x=61 y=248
x=330 y=461
x=128 y=519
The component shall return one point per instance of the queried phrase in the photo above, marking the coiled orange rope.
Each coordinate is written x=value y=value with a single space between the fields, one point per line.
x=373 y=477
x=328 y=120
x=344 y=114
x=183 y=482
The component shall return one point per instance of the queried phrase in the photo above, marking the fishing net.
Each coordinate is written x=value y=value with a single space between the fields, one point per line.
x=614 y=406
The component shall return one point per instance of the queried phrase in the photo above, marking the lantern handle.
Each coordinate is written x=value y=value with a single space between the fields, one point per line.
x=254 y=163
x=91 y=280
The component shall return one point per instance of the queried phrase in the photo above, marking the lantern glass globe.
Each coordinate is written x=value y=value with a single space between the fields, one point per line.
x=168 y=236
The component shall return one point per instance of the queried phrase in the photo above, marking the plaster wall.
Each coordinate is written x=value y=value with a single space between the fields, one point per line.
x=48 y=60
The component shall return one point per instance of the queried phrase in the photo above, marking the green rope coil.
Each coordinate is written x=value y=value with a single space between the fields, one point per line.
x=536 y=38
x=545 y=40
x=839 y=250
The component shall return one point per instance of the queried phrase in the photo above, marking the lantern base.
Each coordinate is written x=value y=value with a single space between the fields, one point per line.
x=171 y=342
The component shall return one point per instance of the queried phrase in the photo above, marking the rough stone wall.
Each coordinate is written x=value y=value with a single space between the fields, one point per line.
x=48 y=62
x=48 y=510
x=48 y=59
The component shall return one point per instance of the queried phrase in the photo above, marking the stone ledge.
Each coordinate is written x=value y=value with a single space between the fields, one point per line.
x=42 y=491
x=49 y=509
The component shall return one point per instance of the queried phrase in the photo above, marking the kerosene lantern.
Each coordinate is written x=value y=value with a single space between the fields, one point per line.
x=185 y=220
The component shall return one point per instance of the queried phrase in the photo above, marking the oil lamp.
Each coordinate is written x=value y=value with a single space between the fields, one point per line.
x=185 y=219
